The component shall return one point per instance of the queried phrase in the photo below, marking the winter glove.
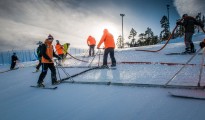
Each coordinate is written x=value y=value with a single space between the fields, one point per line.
x=59 y=58
x=50 y=60
x=178 y=23
x=202 y=25
x=202 y=45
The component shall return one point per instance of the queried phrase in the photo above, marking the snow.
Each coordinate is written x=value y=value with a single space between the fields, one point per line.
x=72 y=101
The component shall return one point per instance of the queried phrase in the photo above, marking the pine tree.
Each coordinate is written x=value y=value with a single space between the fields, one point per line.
x=165 y=25
x=132 y=35
x=148 y=36
x=120 y=43
x=179 y=31
x=198 y=18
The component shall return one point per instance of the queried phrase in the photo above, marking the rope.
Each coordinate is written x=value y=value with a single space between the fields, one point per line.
x=165 y=43
x=182 y=67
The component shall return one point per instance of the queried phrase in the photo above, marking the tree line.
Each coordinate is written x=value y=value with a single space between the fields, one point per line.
x=148 y=37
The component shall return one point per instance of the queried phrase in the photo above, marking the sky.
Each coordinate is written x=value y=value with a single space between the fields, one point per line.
x=25 y=22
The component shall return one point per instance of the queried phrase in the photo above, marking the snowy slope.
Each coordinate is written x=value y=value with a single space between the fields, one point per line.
x=18 y=101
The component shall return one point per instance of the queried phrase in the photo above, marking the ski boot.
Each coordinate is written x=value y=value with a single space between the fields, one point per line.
x=40 y=85
x=104 y=67
x=55 y=82
x=187 y=50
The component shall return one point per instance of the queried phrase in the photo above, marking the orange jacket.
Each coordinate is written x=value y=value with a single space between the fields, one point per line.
x=47 y=52
x=108 y=40
x=59 y=49
x=91 y=40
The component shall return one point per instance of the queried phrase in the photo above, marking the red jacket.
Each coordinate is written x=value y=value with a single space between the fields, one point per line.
x=108 y=40
x=59 y=49
x=91 y=40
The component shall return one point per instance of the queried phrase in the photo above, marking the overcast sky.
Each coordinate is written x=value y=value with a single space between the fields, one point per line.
x=24 y=22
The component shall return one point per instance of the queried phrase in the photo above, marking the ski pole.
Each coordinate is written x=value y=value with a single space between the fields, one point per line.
x=67 y=74
x=99 y=58
x=201 y=68
x=57 y=69
x=93 y=59
x=182 y=67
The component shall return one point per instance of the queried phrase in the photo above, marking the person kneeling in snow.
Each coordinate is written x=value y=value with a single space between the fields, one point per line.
x=47 y=62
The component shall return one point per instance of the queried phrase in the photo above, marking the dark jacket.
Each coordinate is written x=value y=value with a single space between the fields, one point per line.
x=39 y=51
x=14 y=58
x=189 y=23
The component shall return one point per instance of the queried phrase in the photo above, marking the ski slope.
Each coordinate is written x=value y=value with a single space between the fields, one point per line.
x=117 y=101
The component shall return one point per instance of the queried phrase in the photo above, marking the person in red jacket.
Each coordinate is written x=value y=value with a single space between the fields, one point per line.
x=47 y=62
x=91 y=43
x=189 y=24
x=59 y=49
x=109 y=43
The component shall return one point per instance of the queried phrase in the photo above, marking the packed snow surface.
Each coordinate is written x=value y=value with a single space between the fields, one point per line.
x=72 y=101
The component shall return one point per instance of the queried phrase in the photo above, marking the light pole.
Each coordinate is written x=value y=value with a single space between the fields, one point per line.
x=168 y=16
x=122 y=44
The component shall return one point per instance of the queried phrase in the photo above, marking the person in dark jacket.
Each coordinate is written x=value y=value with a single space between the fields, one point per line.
x=189 y=24
x=14 y=59
x=47 y=62
x=39 y=55
x=202 y=44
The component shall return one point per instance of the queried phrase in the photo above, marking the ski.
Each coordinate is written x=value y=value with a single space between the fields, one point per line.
x=9 y=70
x=192 y=94
x=109 y=68
x=51 y=88
x=182 y=53
x=34 y=72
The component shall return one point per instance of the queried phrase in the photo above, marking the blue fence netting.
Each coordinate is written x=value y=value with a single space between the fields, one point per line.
x=30 y=55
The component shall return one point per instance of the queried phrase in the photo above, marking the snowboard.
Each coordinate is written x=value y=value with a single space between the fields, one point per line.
x=46 y=87
x=191 y=94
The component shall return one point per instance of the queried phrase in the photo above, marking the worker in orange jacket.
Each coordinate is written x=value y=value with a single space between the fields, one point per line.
x=109 y=43
x=91 y=43
x=59 y=49
x=47 y=62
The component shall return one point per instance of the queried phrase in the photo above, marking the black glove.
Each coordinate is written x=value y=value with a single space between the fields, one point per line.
x=202 y=25
x=50 y=60
x=59 y=58
x=178 y=23
x=202 y=45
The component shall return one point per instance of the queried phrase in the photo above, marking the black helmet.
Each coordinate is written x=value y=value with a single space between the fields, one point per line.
x=184 y=15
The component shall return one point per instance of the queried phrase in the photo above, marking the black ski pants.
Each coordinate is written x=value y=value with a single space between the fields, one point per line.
x=111 y=52
x=13 y=64
x=39 y=64
x=92 y=50
x=45 y=67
